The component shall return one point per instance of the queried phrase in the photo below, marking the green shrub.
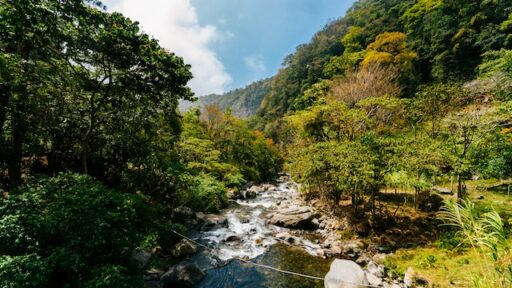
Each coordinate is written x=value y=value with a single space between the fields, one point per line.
x=28 y=271
x=111 y=276
x=70 y=230
x=207 y=194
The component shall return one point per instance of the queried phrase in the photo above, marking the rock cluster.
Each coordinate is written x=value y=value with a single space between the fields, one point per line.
x=349 y=274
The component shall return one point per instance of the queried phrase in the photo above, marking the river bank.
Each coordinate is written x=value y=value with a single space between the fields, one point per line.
x=271 y=224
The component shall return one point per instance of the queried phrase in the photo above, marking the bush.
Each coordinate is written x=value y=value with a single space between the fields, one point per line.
x=207 y=194
x=65 y=231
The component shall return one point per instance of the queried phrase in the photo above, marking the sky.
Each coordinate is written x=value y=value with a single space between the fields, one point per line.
x=231 y=43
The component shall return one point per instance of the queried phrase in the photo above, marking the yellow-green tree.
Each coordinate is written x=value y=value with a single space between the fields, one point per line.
x=390 y=48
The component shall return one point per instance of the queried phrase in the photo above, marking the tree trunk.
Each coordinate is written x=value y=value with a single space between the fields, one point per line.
x=460 y=192
x=15 y=153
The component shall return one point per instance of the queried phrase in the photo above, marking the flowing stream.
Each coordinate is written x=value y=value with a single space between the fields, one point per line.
x=247 y=235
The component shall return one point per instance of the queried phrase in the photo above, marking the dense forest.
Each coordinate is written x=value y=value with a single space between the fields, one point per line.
x=407 y=96
x=94 y=154
x=243 y=102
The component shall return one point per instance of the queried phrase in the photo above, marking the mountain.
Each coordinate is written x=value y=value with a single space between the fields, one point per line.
x=448 y=37
x=243 y=102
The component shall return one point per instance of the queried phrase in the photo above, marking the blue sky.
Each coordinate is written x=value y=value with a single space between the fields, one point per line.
x=231 y=43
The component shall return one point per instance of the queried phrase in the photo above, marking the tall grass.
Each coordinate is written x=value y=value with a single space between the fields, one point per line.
x=486 y=234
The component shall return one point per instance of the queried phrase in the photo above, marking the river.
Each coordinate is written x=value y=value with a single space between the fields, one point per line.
x=248 y=236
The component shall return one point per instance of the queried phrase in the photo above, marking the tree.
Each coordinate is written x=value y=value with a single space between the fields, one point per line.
x=94 y=88
x=368 y=81
x=33 y=33
x=433 y=102
x=334 y=169
x=390 y=48
x=463 y=129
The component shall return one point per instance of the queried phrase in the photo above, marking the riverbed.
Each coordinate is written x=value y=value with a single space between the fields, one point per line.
x=248 y=236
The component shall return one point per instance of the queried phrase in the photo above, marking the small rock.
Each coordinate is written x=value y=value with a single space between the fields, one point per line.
x=363 y=260
x=249 y=194
x=184 y=213
x=442 y=190
x=379 y=258
x=409 y=277
x=315 y=222
x=320 y=253
x=375 y=269
x=233 y=194
x=244 y=219
x=232 y=238
x=185 y=248
x=353 y=247
x=481 y=197
x=374 y=280
x=200 y=216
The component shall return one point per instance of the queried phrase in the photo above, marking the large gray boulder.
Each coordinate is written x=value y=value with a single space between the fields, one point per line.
x=184 y=275
x=345 y=274
x=141 y=258
x=295 y=218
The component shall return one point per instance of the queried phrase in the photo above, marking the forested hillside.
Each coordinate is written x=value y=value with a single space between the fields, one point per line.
x=447 y=39
x=244 y=102
x=412 y=97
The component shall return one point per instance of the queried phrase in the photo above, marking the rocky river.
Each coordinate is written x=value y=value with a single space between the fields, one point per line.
x=269 y=224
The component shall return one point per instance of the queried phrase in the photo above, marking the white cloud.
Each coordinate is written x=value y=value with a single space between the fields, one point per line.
x=176 y=25
x=256 y=65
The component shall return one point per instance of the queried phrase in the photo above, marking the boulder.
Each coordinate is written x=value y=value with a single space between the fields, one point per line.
x=345 y=274
x=213 y=220
x=182 y=276
x=232 y=238
x=185 y=248
x=430 y=202
x=295 y=218
x=184 y=213
x=141 y=258
x=233 y=194
x=249 y=194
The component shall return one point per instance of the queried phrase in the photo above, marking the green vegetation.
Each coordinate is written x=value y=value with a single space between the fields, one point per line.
x=403 y=96
x=399 y=95
x=92 y=155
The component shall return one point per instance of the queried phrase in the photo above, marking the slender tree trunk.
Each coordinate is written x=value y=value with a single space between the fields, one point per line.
x=15 y=152
x=460 y=193
x=85 y=166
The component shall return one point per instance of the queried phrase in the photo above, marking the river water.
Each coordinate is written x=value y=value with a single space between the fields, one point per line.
x=248 y=236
